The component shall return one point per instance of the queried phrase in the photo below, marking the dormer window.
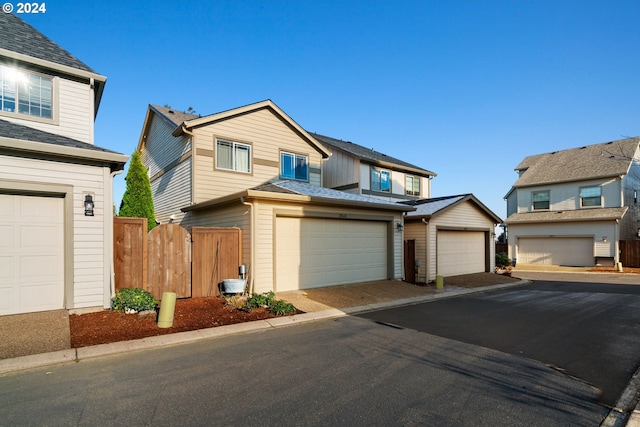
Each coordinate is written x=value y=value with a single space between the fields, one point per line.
x=590 y=196
x=25 y=93
x=380 y=180
x=540 y=200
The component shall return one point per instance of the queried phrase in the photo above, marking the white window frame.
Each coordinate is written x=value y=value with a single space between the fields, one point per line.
x=18 y=91
x=533 y=201
x=234 y=160
x=414 y=180
x=599 y=188
x=379 y=171
x=295 y=158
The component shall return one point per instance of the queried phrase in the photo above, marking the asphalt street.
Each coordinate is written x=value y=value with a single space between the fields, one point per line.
x=587 y=330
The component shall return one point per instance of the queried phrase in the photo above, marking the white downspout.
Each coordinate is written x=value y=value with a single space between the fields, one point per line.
x=252 y=269
x=426 y=251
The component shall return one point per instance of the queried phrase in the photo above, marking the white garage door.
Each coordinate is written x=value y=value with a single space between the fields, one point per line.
x=31 y=254
x=571 y=251
x=460 y=252
x=322 y=252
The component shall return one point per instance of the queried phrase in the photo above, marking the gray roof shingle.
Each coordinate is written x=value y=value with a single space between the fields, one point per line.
x=20 y=37
x=577 y=164
x=174 y=116
x=426 y=208
x=367 y=154
x=595 y=214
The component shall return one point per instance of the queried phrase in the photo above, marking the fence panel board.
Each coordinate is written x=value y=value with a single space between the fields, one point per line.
x=217 y=254
x=130 y=252
x=169 y=260
x=630 y=253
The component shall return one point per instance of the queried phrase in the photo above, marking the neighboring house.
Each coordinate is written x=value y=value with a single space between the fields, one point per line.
x=255 y=168
x=56 y=212
x=357 y=169
x=453 y=235
x=571 y=207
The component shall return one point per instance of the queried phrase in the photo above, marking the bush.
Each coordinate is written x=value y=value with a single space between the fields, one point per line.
x=282 y=308
x=133 y=300
x=261 y=300
x=502 y=260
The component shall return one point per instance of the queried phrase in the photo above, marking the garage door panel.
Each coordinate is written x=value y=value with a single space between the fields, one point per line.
x=461 y=252
x=322 y=252
x=31 y=254
x=570 y=251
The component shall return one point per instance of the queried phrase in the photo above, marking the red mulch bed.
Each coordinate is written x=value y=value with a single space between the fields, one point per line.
x=109 y=326
x=615 y=270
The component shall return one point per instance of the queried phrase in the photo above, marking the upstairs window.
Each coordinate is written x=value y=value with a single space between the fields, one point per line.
x=294 y=166
x=540 y=200
x=412 y=185
x=233 y=156
x=591 y=196
x=25 y=93
x=380 y=180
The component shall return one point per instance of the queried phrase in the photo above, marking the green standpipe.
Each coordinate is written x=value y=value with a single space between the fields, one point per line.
x=439 y=282
x=167 y=309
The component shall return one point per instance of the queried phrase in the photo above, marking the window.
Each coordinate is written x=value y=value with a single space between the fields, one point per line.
x=412 y=185
x=233 y=156
x=294 y=166
x=540 y=200
x=25 y=93
x=380 y=180
x=590 y=196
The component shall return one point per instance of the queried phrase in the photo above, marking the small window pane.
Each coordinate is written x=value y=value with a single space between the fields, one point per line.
x=293 y=166
x=591 y=196
x=224 y=156
x=412 y=185
x=33 y=93
x=243 y=156
x=541 y=200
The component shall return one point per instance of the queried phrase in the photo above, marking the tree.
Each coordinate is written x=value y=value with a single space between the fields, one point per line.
x=137 y=200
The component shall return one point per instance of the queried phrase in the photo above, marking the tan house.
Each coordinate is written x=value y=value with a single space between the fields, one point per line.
x=571 y=207
x=361 y=170
x=452 y=235
x=56 y=212
x=255 y=168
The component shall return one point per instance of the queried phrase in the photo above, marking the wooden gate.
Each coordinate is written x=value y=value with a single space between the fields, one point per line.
x=217 y=254
x=169 y=255
x=630 y=253
x=130 y=252
x=410 y=261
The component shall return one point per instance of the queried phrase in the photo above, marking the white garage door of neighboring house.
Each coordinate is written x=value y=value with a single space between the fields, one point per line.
x=460 y=252
x=570 y=251
x=31 y=254
x=322 y=252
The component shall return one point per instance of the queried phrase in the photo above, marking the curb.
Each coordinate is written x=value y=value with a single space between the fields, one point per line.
x=84 y=353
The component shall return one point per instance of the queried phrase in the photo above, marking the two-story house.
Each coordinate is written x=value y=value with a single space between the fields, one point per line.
x=56 y=211
x=255 y=168
x=571 y=207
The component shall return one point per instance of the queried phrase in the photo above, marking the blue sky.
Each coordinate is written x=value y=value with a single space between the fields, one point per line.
x=466 y=89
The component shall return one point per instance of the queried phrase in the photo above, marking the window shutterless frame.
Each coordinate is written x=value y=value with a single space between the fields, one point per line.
x=412 y=185
x=540 y=200
x=294 y=166
x=590 y=197
x=233 y=156
x=380 y=180
x=26 y=93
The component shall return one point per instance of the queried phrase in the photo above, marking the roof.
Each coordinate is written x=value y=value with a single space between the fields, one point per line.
x=15 y=136
x=20 y=37
x=592 y=214
x=426 y=208
x=303 y=192
x=369 y=155
x=175 y=117
x=577 y=164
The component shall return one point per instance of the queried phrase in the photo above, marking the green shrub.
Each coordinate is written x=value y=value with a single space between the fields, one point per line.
x=281 y=308
x=132 y=300
x=502 y=260
x=261 y=300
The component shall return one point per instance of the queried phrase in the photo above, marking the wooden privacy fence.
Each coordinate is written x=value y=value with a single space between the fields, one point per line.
x=502 y=247
x=170 y=259
x=630 y=253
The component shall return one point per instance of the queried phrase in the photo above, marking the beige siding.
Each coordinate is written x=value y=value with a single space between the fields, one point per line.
x=74 y=112
x=567 y=196
x=170 y=182
x=267 y=135
x=88 y=232
x=341 y=169
x=630 y=224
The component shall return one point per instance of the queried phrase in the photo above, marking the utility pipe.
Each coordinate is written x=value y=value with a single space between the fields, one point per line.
x=253 y=241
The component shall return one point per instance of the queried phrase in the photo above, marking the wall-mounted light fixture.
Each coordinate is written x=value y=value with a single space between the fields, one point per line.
x=604 y=239
x=88 y=205
x=638 y=232
x=399 y=226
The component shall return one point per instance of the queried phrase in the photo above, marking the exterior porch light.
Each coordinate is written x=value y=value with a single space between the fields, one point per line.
x=399 y=226
x=604 y=239
x=88 y=205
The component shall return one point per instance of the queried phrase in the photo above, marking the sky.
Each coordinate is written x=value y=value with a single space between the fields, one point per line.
x=466 y=89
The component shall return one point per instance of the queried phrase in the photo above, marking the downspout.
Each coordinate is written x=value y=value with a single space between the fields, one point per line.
x=110 y=237
x=426 y=252
x=253 y=242
x=616 y=243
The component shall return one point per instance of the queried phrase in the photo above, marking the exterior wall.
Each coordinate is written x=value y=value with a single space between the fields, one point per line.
x=465 y=216
x=267 y=135
x=340 y=170
x=73 y=109
x=87 y=273
x=567 y=196
x=512 y=203
x=398 y=185
x=170 y=165
x=630 y=223
x=597 y=230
